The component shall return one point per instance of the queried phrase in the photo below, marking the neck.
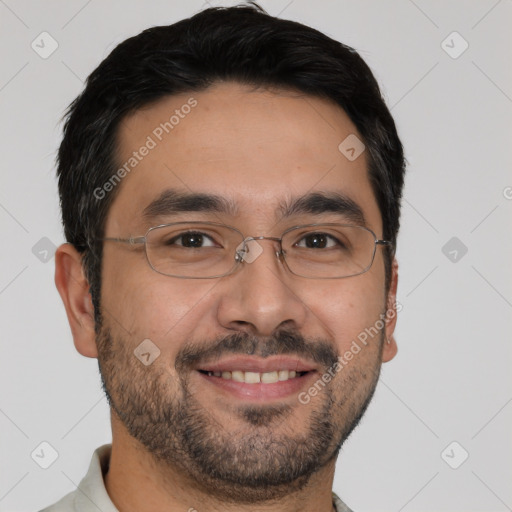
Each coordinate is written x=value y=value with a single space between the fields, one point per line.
x=137 y=482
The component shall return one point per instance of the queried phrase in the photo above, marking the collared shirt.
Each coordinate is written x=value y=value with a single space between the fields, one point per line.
x=91 y=495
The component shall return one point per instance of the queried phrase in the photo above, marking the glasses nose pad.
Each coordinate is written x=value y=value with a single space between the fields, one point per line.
x=240 y=252
x=248 y=251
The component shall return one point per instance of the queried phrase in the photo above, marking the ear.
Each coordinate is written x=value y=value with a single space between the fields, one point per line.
x=73 y=288
x=390 y=347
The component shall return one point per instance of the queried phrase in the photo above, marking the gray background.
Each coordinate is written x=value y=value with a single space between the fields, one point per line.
x=451 y=378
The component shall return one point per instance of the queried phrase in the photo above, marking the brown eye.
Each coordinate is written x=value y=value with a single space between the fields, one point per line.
x=192 y=239
x=317 y=241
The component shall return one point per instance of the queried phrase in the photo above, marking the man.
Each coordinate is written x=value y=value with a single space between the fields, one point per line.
x=230 y=189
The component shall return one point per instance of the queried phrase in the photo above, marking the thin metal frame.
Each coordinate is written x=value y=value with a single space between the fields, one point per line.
x=238 y=258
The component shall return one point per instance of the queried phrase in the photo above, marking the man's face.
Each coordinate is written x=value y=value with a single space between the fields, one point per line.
x=261 y=151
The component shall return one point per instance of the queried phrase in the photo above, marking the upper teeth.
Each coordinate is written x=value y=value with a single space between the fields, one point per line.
x=255 y=377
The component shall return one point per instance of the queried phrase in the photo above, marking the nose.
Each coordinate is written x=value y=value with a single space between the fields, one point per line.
x=261 y=296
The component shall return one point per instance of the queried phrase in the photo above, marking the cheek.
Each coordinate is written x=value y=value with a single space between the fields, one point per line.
x=144 y=304
x=347 y=307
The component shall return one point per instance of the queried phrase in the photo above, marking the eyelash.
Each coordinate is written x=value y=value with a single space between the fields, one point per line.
x=172 y=241
x=188 y=233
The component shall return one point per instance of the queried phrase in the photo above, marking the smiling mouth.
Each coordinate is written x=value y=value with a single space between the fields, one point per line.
x=256 y=377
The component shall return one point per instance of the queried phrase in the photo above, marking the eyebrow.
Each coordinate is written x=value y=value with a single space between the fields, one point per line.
x=173 y=201
x=317 y=203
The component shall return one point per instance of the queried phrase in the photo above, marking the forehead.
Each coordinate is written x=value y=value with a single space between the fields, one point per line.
x=259 y=149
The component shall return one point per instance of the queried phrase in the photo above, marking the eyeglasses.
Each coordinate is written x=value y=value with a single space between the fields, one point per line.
x=207 y=250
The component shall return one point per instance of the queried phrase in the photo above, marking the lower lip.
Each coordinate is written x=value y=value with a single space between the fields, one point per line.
x=260 y=392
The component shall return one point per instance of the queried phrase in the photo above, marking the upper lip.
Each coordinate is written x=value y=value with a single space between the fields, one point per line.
x=258 y=365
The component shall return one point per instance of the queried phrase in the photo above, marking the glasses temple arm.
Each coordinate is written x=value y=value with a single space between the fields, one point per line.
x=132 y=240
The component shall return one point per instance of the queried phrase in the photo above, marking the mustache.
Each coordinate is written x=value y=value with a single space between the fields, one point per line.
x=282 y=342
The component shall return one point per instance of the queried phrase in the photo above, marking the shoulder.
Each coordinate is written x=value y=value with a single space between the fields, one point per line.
x=65 y=504
x=90 y=495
